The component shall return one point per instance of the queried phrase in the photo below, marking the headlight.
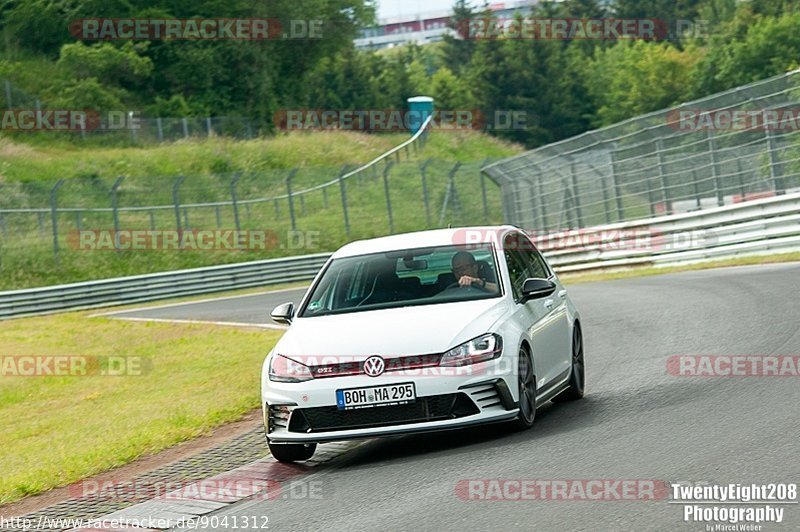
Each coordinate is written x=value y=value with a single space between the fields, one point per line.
x=284 y=369
x=478 y=349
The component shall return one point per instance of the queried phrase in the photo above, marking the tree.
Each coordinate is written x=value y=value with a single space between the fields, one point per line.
x=457 y=49
x=638 y=77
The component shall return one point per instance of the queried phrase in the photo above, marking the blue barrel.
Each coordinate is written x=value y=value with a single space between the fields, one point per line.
x=419 y=108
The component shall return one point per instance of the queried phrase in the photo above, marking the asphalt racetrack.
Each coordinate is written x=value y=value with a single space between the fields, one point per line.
x=637 y=421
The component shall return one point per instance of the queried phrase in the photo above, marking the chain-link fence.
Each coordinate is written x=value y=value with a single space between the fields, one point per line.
x=730 y=147
x=302 y=210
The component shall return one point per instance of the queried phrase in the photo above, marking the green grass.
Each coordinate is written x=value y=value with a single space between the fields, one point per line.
x=28 y=172
x=57 y=430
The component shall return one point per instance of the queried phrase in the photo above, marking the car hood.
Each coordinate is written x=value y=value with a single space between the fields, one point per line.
x=413 y=330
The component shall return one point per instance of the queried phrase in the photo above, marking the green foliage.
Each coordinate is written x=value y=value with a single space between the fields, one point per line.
x=634 y=78
x=563 y=87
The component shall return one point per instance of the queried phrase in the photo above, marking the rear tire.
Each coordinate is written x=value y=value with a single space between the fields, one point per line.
x=577 y=377
x=527 y=392
x=292 y=452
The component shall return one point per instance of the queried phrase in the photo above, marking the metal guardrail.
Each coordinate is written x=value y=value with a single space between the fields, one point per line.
x=152 y=287
x=768 y=225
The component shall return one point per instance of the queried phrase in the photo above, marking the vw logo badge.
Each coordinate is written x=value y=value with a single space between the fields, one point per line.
x=374 y=366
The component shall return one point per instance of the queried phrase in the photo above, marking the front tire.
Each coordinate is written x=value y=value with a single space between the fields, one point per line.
x=577 y=377
x=292 y=452
x=527 y=392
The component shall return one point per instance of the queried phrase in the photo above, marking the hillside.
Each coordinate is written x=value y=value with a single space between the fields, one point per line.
x=29 y=171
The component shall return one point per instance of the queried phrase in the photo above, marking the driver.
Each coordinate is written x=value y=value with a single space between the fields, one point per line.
x=467 y=271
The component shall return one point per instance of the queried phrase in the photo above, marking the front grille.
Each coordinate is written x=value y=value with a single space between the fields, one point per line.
x=404 y=363
x=431 y=408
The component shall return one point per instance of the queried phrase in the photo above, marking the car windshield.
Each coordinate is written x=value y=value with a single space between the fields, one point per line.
x=421 y=276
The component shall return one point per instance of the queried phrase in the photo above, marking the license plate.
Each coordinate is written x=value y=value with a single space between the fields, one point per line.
x=390 y=394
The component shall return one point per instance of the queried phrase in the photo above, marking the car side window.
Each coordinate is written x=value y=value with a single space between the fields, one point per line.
x=537 y=267
x=517 y=267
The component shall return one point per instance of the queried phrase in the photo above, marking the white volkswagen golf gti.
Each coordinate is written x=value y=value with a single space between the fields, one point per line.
x=421 y=332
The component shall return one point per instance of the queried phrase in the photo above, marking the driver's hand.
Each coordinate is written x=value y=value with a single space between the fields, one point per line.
x=466 y=280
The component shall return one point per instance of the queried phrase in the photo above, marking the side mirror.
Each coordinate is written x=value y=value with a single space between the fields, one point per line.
x=535 y=288
x=283 y=313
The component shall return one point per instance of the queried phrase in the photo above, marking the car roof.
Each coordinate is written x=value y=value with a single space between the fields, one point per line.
x=422 y=239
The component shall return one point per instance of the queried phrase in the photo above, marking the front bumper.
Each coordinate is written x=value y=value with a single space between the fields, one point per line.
x=307 y=412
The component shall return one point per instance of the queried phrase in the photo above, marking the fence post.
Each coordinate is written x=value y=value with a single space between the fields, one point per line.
x=208 y=126
x=277 y=208
x=9 y=103
x=159 y=129
x=742 y=188
x=542 y=202
x=218 y=216
x=186 y=218
x=696 y=190
x=650 y=198
x=40 y=216
x=234 y=202
x=324 y=197
x=343 y=190
x=152 y=221
x=537 y=208
x=115 y=209
x=617 y=190
x=386 y=193
x=576 y=201
x=423 y=170
x=132 y=126
x=3 y=225
x=78 y=220
x=289 y=196
x=54 y=216
x=450 y=192
x=176 y=202
x=775 y=168
x=665 y=192
x=715 y=172
x=483 y=191
x=606 y=208
x=185 y=128
x=569 y=205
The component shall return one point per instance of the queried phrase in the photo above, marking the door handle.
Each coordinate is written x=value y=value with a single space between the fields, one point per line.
x=548 y=304
x=562 y=294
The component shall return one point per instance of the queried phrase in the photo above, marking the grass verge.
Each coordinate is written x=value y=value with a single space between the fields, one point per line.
x=57 y=430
